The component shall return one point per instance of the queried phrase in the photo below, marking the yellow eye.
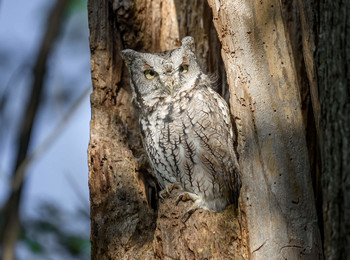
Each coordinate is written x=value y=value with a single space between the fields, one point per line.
x=150 y=74
x=183 y=68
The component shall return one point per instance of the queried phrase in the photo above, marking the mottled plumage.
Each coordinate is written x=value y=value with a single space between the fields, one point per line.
x=185 y=125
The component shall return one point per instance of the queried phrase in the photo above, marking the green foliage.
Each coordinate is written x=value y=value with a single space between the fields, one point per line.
x=33 y=245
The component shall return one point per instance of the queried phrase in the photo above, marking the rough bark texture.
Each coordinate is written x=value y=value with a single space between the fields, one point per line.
x=120 y=219
x=205 y=235
x=124 y=223
x=334 y=93
x=299 y=20
x=277 y=194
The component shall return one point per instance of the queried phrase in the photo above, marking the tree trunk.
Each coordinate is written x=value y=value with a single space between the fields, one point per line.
x=334 y=94
x=277 y=216
x=277 y=192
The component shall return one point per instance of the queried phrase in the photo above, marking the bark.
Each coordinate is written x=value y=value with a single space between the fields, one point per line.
x=277 y=194
x=334 y=95
x=300 y=22
x=124 y=221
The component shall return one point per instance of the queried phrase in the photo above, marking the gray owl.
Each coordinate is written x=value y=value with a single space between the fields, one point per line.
x=185 y=125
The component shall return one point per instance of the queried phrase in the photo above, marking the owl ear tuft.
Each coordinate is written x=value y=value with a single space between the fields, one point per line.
x=188 y=42
x=128 y=55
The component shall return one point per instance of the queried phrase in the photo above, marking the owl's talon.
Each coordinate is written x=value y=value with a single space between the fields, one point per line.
x=188 y=214
x=161 y=195
x=168 y=189
x=179 y=198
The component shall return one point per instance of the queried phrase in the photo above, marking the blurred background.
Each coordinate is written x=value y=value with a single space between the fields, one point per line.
x=44 y=129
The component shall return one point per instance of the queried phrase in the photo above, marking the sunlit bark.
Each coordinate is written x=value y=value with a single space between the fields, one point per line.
x=277 y=192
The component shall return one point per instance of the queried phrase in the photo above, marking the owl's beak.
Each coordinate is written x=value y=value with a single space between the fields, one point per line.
x=170 y=84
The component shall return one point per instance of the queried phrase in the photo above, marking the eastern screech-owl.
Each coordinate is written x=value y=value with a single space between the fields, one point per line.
x=185 y=125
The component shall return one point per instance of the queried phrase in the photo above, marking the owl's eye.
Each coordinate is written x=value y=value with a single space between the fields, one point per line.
x=150 y=74
x=183 y=68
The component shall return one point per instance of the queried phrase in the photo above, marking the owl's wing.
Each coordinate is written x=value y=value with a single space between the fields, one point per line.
x=213 y=129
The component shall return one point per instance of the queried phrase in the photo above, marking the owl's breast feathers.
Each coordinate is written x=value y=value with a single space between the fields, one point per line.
x=189 y=140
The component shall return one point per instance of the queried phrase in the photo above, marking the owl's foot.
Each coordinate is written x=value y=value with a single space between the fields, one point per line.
x=186 y=197
x=169 y=188
x=196 y=205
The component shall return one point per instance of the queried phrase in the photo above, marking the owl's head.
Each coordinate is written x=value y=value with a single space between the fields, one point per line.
x=160 y=75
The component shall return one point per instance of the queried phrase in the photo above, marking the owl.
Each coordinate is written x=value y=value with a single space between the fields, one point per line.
x=185 y=125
